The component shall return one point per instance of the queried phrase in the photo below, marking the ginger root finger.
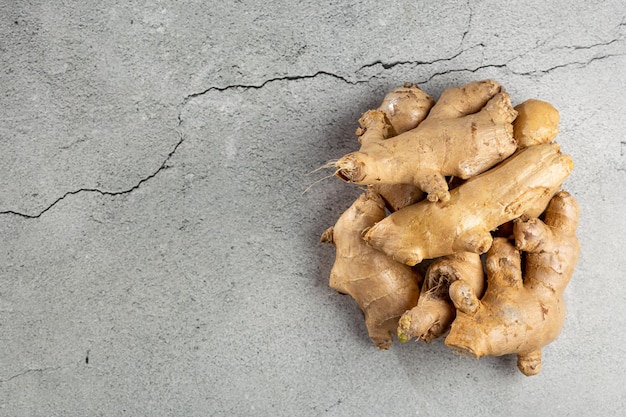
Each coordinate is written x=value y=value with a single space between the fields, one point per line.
x=406 y=107
x=537 y=122
x=434 y=312
x=397 y=196
x=383 y=288
x=523 y=182
x=462 y=147
x=374 y=127
x=521 y=316
x=510 y=318
x=551 y=242
x=463 y=100
x=402 y=109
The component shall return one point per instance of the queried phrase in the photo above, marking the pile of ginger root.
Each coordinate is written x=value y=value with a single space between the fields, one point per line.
x=462 y=230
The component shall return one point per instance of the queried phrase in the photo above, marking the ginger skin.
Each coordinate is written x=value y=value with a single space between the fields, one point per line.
x=491 y=175
x=404 y=109
x=382 y=287
x=520 y=316
x=537 y=122
x=397 y=196
x=434 y=312
x=523 y=184
x=466 y=132
x=359 y=270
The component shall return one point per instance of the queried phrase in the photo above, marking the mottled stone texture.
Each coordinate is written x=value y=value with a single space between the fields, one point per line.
x=160 y=256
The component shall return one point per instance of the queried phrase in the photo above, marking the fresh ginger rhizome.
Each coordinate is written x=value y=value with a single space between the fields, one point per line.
x=464 y=176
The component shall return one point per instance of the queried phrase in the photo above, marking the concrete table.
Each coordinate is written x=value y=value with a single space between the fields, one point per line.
x=160 y=256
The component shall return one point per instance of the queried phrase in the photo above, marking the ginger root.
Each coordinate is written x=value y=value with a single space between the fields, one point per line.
x=489 y=171
x=383 y=288
x=520 y=314
x=523 y=184
x=466 y=132
x=537 y=122
x=434 y=312
x=403 y=109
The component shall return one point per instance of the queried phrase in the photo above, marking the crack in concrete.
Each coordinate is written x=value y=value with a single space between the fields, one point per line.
x=29 y=371
x=101 y=192
x=469 y=21
x=74 y=143
x=569 y=64
x=384 y=65
x=594 y=45
x=390 y=65
x=582 y=47
x=268 y=81
x=450 y=71
x=527 y=73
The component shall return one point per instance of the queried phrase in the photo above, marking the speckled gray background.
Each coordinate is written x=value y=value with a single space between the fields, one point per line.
x=159 y=256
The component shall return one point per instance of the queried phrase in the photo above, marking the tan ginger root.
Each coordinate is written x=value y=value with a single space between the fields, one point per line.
x=520 y=316
x=382 y=287
x=467 y=131
x=537 y=122
x=523 y=184
x=403 y=109
x=397 y=196
x=434 y=312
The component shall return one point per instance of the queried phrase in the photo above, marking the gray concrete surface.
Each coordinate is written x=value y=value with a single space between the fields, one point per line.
x=160 y=258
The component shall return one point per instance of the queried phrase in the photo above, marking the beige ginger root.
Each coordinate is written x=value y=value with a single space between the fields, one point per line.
x=382 y=287
x=520 y=315
x=523 y=184
x=434 y=312
x=537 y=122
x=466 y=132
x=397 y=196
x=405 y=108
x=402 y=109
x=489 y=171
